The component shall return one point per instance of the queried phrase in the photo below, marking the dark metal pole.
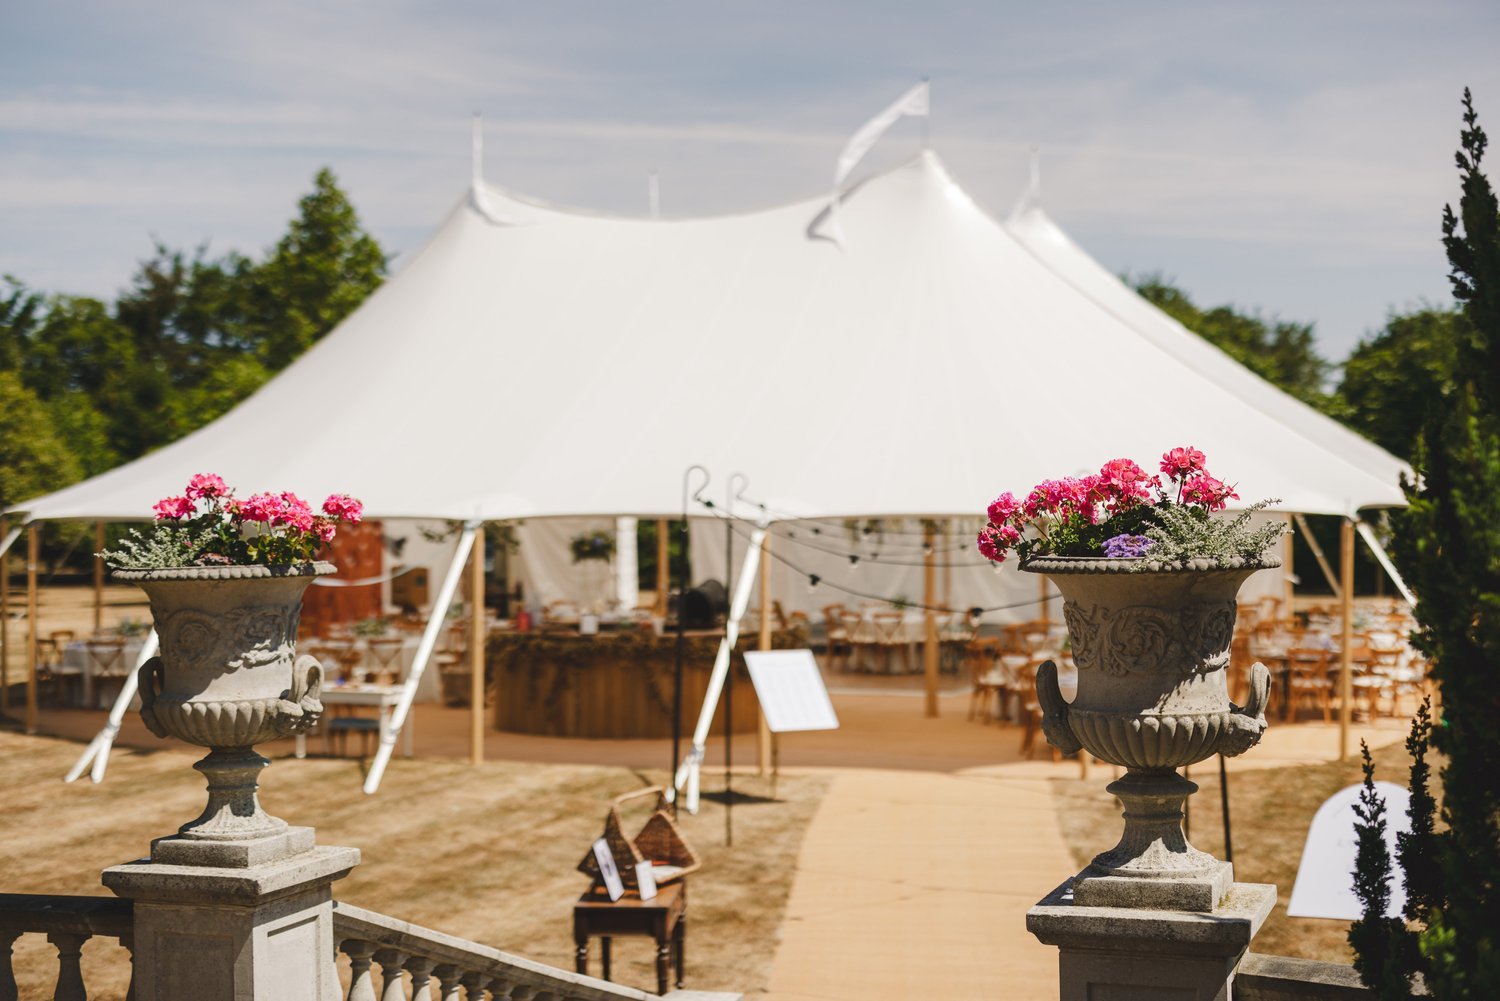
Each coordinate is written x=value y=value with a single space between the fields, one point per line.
x=1224 y=805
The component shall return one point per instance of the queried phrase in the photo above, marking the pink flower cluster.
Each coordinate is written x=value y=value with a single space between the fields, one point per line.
x=1081 y=501
x=209 y=503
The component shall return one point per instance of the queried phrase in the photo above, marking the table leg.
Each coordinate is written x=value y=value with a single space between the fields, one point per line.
x=301 y=745
x=681 y=942
x=580 y=953
x=604 y=954
x=663 y=965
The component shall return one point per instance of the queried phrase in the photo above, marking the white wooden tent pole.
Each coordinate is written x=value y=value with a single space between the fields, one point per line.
x=1384 y=559
x=687 y=771
x=98 y=749
x=10 y=539
x=1317 y=551
x=439 y=615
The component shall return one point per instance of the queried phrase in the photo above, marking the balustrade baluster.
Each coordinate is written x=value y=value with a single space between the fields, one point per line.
x=449 y=977
x=69 y=974
x=361 y=983
x=420 y=968
x=392 y=974
x=8 y=990
x=522 y=993
x=474 y=987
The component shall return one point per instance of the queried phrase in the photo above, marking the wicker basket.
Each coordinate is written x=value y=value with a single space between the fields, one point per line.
x=659 y=840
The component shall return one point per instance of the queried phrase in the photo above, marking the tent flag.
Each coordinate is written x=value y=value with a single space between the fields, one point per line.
x=914 y=102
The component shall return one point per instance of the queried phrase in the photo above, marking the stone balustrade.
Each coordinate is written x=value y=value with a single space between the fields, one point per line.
x=68 y=922
x=420 y=964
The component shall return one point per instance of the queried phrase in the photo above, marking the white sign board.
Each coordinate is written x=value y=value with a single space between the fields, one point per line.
x=1325 y=879
x=606 y=859
x=791 y=690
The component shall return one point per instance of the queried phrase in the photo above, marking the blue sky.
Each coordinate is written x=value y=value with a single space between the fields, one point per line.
x=1291 y=157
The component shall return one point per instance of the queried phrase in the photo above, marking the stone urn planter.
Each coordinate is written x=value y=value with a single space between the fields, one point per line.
x=227 y=678
x=1151 y=644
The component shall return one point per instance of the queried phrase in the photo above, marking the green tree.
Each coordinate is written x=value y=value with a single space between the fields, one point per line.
x=1282 y=353
x=320 y=271
x=33 y=459
x=1447 y=544
x=1388 y=380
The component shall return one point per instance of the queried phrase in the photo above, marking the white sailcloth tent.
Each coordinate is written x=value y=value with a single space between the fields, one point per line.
x=533 y=361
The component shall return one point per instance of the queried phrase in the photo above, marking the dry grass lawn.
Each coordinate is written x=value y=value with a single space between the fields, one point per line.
x=486 y=853
x=1270 y=812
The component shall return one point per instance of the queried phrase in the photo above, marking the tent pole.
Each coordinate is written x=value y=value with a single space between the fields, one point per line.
x=1384 y=559
x=476 y=653
x=762 y=732
x=4 y=621
x=686 y=772
x=98 y=576
x=98 y=749
x=437 y=617
x=33 y=547
x=663 y=569
x=1289 y=587
x=1346 y=666
x=930 y=633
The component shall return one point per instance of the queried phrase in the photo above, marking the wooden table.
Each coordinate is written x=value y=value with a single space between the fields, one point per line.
x=663 y=917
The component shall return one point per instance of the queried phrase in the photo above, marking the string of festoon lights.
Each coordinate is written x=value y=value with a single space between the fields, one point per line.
x=738 y=525
x=856 y=556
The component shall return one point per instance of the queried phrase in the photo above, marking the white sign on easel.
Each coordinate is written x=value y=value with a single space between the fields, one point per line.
x=791 y=690
x=1325 y=879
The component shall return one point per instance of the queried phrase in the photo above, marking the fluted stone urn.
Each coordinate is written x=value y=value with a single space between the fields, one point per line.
x=1151 y=644
x=227 y=678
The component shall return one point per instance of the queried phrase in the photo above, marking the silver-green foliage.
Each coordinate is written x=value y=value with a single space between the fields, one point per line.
x=1182 y=533
x=164 y=547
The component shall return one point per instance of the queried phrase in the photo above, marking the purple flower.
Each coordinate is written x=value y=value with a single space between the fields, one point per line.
x=1125 y=547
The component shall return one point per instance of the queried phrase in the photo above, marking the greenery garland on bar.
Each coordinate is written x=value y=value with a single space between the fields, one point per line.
x=566 y=654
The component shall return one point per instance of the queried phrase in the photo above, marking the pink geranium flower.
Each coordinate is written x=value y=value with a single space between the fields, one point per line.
x=173 y=507
x=1001 y=510
x=325 y=528
x=1125 y=484
x=264 y=508
x=1182 y=462
x=296 y=512
x=1208 y=491
x=206 y=485
x=344 y=508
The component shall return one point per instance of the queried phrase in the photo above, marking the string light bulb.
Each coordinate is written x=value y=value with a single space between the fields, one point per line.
x=812 y=582
x=927 y=549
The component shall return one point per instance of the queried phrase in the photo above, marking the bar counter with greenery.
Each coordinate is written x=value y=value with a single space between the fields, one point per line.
x=617 y=684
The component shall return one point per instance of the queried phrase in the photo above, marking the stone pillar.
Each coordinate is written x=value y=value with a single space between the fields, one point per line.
x=1136 y=954
x=247 y=929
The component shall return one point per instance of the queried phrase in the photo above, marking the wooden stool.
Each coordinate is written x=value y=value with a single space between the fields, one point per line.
x=663 y=918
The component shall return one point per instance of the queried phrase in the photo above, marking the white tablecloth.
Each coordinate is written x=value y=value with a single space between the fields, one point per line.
x=77 y=657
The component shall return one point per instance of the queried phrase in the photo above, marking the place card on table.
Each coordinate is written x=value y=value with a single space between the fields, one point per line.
x=608 y=870
x=645 y=879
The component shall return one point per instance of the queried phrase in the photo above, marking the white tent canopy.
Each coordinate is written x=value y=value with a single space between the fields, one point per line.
x=533 y=361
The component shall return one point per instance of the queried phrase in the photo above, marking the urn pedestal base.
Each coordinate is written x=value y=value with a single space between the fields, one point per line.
x=1122 y=954
x=242 y=854
x=1153 y=865
x=1178 y=893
